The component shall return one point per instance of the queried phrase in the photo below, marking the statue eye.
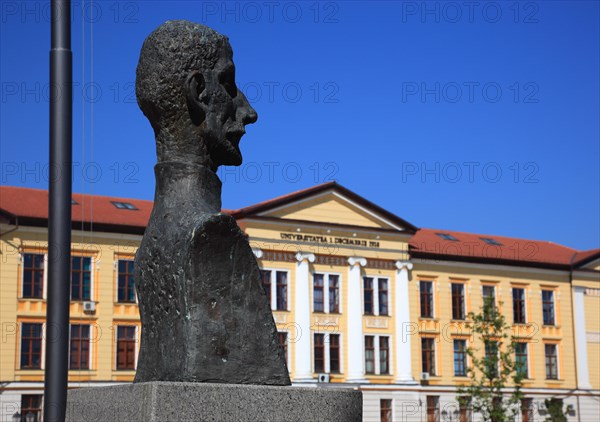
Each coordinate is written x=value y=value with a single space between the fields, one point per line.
x=227 y=79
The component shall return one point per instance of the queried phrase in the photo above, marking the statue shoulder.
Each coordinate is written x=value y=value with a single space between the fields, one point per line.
x=217 y=224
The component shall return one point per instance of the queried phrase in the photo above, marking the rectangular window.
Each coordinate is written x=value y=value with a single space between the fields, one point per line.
x=126 y=348
x=126 y=288
x=81 y=277
x=33 y=276
x=79 y=353
x=458 y=301
x=460 y=358
x=266 y=280
x=385 y=407
x=334 y=293
x=489 y=301
x=433 y=408
x=526 y=410
x=334 y=353
x=521 y=359
x=31 y=407
x=426 y=299
x=464 y=409
x=282 y=337
x=319 y=353
x=548 y=307
x=491 y=359
x=370 y=354
x=318 y=292
x=519 y=306
x=368 y=295
x=384 y=355
x=31 y=346
x=551 y=362
x=428 y=355
x=281 y=279
x=383 y=296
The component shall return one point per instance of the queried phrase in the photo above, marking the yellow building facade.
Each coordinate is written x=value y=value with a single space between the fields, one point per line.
x=361 y=298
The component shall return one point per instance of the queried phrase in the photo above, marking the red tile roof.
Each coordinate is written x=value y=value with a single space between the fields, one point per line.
x=31 y=208
x=426 y=243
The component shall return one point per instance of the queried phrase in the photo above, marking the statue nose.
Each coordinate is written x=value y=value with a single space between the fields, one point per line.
x=247 y=113
x=250 y=115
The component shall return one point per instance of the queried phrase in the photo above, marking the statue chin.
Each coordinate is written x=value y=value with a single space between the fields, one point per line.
x=227 y=155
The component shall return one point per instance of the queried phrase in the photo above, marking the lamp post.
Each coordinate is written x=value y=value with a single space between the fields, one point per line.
x=59 y=213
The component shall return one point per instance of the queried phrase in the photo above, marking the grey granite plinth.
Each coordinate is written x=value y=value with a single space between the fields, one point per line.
x=181 y=401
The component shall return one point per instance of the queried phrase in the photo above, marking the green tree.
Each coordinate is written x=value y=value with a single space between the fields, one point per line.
x=495 y=377
x=555 y=410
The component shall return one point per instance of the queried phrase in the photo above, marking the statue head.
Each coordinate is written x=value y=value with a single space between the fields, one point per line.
x=185 y=86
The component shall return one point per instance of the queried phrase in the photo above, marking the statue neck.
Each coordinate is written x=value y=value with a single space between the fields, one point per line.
x=182 y=146
x=187 y=186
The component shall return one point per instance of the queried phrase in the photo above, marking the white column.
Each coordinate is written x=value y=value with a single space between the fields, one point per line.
x=356 y=360
x=303 y=370
x=402 y=315
x=583 y=374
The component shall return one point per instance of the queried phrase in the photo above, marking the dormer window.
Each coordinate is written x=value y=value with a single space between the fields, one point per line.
x=123 y=205
x=447 y=236
x=491 y=241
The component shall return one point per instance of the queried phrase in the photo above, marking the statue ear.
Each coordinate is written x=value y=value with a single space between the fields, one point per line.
x=194 y=87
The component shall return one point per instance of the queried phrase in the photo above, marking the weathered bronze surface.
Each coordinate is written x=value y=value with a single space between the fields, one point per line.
x=205 y=316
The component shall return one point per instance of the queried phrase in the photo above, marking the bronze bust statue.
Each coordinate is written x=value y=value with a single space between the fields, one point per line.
x=205 y=316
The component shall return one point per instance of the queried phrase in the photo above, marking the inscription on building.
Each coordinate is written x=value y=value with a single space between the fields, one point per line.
x=329 y=240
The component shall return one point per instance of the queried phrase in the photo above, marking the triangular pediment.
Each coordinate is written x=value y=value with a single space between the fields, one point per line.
x=328 y=203
x=329 y=208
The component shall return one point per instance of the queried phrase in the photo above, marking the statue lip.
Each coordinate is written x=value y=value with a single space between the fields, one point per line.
x=235 y=135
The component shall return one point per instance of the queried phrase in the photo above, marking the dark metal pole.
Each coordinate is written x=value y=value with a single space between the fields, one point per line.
x=59 y=214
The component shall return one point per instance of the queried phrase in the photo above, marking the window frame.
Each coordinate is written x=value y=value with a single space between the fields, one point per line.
x=387 y=296
x=80 y=340
x=371 y=289
x=555 y=365
x=386 y=410
x=274 y=297
x=30 y=409
x=327 y=288
x=31 y=341
x=319 y=345
x=81 y=272
x=387 y=354
x=519 y=306
x=552 y=303
x=520 y=354
x=428 y=365
x=369 y=346
x=34 y=270
x=127 y=341
x=463 y=353
x=462 y=298
x=432 y=408
x=337 y=347
x=494 y=296
x=429 y=299
x=318 y=288
x=127 y=274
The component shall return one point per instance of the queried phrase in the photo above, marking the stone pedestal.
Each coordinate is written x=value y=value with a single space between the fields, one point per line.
x=181 y=401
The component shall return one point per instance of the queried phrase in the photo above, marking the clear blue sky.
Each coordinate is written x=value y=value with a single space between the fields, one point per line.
x=480 y=118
